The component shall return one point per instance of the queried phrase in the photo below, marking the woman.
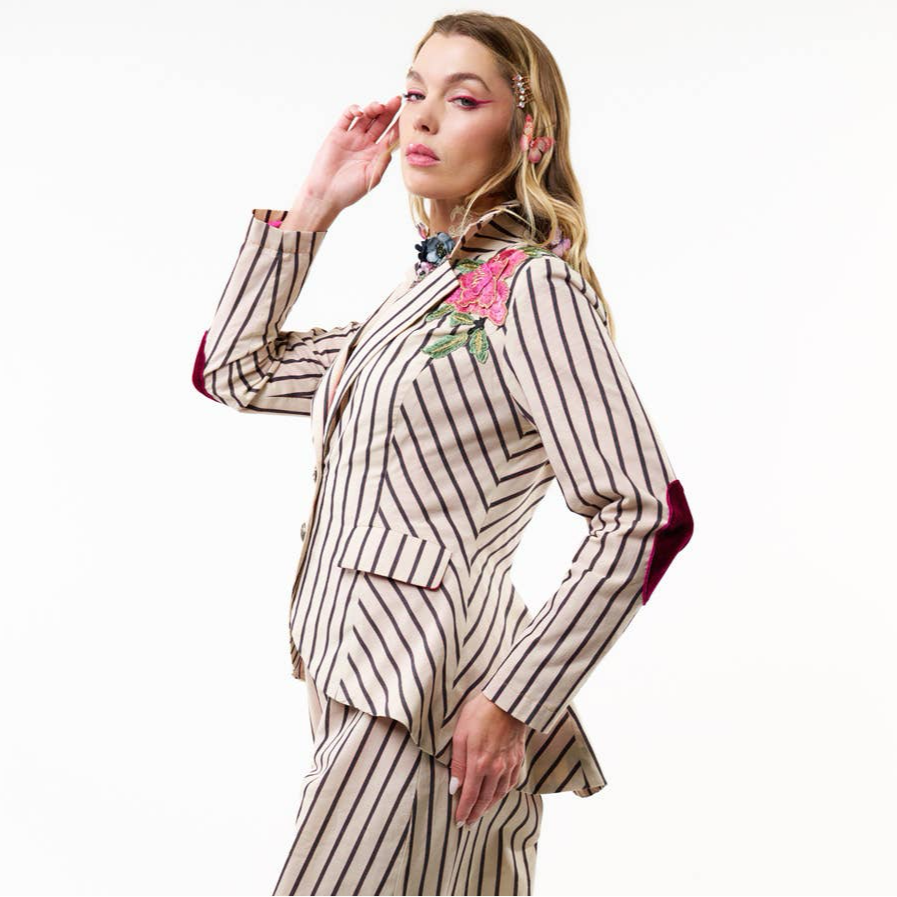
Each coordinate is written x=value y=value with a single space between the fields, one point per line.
x=441 y=710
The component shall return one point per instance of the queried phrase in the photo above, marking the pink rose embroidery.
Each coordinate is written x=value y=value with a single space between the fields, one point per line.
x=485 y=290
x=482 y=294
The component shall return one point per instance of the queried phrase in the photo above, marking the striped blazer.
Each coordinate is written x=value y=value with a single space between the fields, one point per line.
x=438 y=424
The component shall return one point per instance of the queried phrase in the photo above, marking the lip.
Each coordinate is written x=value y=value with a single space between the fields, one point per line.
x=421 y=161
x=416 y=151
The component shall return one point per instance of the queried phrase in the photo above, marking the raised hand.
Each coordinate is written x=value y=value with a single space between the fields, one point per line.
x=350 y=162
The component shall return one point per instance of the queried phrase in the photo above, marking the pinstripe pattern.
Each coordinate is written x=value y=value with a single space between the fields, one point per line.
x=427 y=471
x=251 y=364
x=376 y=817
x=396 y=555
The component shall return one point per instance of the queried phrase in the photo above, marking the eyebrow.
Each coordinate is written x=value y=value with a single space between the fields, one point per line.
x=451 y=79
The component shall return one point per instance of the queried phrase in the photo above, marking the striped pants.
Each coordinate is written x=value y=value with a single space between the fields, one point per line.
x=376 y=817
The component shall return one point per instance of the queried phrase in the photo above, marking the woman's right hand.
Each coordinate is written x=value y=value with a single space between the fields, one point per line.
x=349 y=163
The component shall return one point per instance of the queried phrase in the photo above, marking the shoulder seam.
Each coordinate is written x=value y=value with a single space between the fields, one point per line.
x=576 y=280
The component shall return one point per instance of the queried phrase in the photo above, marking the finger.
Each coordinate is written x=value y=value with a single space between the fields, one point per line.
x=383 y=114
x=369 y=114
x=392 y=135
x=381 y=163
x=381 y=120
x=485 y=799
x=470 y=792
x=505 y=783
x=349 y=115
x=378 y=167
x=361 y=120
x=459 y=757
x=470 y=789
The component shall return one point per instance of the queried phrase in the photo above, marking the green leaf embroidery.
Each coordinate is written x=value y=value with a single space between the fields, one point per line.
x=475 y=339
x=478 y=344
x=443 y=309
x=458 y=317
x=465 y=265
x=446 y=344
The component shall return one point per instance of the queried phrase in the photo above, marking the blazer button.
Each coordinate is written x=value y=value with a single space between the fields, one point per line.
x=302 y=530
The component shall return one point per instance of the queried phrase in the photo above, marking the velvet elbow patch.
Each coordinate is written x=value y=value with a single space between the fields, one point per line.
x=671 y=538
x=199 y=365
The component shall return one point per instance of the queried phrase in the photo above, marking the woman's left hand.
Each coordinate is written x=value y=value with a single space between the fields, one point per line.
x=487 y=755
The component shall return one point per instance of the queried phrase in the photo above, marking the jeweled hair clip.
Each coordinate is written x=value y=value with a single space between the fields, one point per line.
x=524 y=93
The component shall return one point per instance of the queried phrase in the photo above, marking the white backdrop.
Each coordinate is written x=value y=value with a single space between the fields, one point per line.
x=738 y=165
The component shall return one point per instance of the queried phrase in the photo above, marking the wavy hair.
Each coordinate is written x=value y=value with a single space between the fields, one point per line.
x=548 y=192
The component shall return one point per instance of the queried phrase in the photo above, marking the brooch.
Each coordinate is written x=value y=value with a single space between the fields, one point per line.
x=431 y=252
x=481 y=296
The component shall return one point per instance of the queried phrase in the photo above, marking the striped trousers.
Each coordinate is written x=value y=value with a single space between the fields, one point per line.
x=376 y=817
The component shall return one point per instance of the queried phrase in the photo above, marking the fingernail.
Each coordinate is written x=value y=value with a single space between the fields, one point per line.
x=453 y=784
x=459 y=823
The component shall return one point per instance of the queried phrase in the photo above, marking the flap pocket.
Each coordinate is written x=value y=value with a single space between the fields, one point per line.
x=389 y=552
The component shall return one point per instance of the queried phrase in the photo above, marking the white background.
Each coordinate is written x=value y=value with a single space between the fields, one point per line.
x=737 y=161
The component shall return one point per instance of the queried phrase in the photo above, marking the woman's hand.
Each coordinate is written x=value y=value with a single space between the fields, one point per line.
x=487 y=755
x=349 y=163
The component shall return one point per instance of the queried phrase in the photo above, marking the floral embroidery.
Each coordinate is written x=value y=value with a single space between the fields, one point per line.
x=432 y=251
x=482 y=294
x=560 y=243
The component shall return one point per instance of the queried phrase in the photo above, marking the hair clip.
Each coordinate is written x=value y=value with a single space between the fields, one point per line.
x=534 y=146
x=524 y=93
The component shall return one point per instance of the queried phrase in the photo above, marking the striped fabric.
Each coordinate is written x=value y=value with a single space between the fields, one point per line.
x=376 y=817
x=427 y=471
x=397 y=555
x=245 y=360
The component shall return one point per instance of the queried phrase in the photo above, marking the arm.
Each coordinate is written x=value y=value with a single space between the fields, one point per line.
x=568 y=379
x=244 y=359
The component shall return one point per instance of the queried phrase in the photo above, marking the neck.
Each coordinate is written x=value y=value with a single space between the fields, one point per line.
x=440 y=211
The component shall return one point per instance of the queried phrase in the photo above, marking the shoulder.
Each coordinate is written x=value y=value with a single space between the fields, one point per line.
x=541 y=281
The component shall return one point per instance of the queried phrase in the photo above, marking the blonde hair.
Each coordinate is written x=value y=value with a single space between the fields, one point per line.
x=548 y=191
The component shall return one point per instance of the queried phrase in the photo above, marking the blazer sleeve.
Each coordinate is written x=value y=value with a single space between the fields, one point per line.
x=569 y=381
x=244 y=359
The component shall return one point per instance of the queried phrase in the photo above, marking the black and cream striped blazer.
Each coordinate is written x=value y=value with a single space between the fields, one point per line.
x=438 y=424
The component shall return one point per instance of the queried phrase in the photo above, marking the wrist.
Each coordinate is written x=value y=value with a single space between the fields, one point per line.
x=309 y=213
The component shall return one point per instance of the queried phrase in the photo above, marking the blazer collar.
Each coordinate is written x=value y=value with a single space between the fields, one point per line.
x=407 y=304
x=489 y=233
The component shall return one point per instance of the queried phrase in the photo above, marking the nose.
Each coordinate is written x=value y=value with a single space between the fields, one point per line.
x=423 y=123
x=423 y=118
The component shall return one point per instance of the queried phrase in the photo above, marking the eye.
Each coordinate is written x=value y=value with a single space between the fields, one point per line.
x=413 y=93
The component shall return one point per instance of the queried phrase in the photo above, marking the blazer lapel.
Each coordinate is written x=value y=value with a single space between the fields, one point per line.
x=320 y=400
x=324 y=396
x=378 y=331
x=405 y=307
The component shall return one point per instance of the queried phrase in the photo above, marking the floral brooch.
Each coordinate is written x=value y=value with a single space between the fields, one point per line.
x=431 y=251
x=481 y=295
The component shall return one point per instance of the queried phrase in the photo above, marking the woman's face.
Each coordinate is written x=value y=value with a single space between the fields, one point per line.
x=464 y=122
